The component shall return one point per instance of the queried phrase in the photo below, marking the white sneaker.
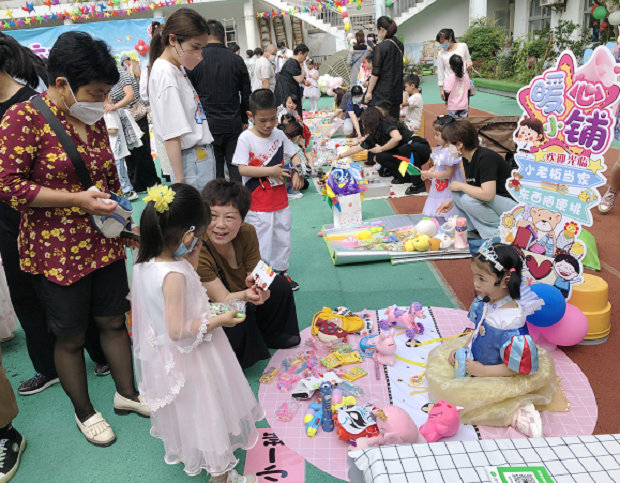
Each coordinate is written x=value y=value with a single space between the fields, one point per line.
x=131 y=196
x=295 y=196
x=234 y=477
x=527 y=421
x=607 y=202
x=123 y=406
x=96 y=430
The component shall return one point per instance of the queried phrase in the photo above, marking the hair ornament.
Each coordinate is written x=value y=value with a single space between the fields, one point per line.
x=488 y=252
x=161 y=196
x=512 y=270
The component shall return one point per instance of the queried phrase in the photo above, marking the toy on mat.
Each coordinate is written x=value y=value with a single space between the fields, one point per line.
x=286 y=411
x=443 y=422
x=313 y=419
x=356 y=422
x=406 y=318
x=327 y=422
x=306 y=388
x=395 y=427
x=428 y=227
x=268 y=375
x=325 y=324
x=338 y=400
x=330 y=332
x=460 y=358
x=332 y=360
x=385 y=349
x=354 y=374
x=367 y=349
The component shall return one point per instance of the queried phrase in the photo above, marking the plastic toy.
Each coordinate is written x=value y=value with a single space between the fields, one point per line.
x=406 y=318
x=350 y=241
x=367 y=349
x=421 y=242
x=342 y=317
x=385 y=349
x=460 y=234
x=338 y=400
x=443 y=422
x=285 y=412
x=268 y=375
x=395 y=427
x=329 y=332
x=349 y=389
x=306 y=388
x=428 y=227
x=327 y=421
x=354 y=374
x=460 y=357
x=356 y=422
x=313 y=419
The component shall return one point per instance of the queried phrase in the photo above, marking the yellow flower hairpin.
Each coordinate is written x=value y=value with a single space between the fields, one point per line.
x=161 y=195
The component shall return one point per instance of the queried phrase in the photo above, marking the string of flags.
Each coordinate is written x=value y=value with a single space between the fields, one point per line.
x=53 y=10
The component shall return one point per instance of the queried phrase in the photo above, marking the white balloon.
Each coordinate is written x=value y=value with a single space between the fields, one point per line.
x=614 y=18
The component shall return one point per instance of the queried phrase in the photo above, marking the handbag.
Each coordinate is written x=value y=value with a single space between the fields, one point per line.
x=138 y=110
x=112 y=225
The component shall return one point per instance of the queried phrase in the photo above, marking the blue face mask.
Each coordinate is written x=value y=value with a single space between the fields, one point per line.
x=183 y=250
x=356 y=100
x=445 y=46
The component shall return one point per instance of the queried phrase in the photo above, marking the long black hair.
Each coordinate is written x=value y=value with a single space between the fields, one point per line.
x=456 y=64
x=15 y=61
x=512 y=263
x=159 y=231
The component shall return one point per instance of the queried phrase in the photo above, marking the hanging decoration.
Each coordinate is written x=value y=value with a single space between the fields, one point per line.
x=321 y=5
x=53 y=10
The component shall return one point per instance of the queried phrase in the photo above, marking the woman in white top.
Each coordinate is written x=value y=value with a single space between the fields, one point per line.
x=449 y=47
x=178 y=117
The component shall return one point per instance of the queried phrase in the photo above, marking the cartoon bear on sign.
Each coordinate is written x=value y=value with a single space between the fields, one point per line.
x=543 y=223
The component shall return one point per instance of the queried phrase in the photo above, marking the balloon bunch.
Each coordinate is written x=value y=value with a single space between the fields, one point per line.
x=599 y=12
x=142 y=47
x=345 y=18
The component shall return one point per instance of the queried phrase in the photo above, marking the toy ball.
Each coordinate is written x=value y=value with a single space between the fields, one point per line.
x=569 y=330
x=428 y=227
x=599 y=12
x=554 y=307
x=614 y=18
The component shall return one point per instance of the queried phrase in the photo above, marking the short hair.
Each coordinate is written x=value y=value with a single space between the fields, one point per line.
x=463 y=131
x=413 y=79
x=249 y=53
x=82 y=60
x=234 y=47
x=301 y=49
x=294 y=99
x=16 y=61
x=281 y=44
x=262 y=99
x=215 y=29
x=220 y=192
x=258 y=51
x=443 y=121
x=293 y=129
x=356 y=90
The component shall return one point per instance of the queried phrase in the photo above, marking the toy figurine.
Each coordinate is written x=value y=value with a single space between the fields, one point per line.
x=443 y=422
x=356 y=422
x=385 y=349
x=405 y=318
x=313 y=419
x=327 y=421
x=329 y=332
x=395 y=427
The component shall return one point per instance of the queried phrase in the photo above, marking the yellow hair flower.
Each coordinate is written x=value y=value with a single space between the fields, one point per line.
x=161 y=195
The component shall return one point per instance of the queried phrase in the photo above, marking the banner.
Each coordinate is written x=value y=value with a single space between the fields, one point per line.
x=121 y=35
x=569 y=115
x=270 y=460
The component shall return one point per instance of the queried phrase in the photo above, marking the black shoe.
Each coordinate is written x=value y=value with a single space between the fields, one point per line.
x=35 y=384
x=294 y=284
x=369 y=163
x=12 y=445
x=416 y=189
x=286 y=341
x=102 y=370
x=399 y=181
x=384 y=172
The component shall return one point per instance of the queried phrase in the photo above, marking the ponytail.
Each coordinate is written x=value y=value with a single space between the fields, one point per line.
x=514 y=284
x=151 y=233
x=456 y=64
x=389 y=25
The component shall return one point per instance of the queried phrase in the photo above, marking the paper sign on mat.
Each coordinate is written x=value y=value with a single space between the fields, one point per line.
x=271 y=461
x=263 y=275
x=519 y=474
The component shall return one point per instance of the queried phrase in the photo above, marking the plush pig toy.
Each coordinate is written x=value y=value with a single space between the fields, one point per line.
x=443 y=422
x=395 y=427
x=385 y=349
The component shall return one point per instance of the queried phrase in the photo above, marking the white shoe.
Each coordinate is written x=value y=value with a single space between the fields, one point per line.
x=131 y=196
x=295 y=196
x=527 y=421
x=234 y=477
x=96 y=430
x=123 y=406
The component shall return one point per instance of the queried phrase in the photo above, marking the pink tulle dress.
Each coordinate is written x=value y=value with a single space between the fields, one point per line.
x=202 y=407
x=440 y=190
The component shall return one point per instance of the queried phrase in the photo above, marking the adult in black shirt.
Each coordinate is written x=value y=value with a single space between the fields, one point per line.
x=384 y=137
x=386 y=80
x=484 y=197
x=223 y=85
x=292 y=76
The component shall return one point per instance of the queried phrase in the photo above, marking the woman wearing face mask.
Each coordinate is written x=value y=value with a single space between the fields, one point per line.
x=178 y=117
x=386 y=80
x=353 y=113
x=449 y=47
x=79 y=273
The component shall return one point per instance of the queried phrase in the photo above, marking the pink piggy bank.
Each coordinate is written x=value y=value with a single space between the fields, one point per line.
x=443 y=422
x=385 y=349
x=395 y=427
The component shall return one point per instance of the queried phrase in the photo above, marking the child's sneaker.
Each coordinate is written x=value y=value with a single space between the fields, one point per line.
x=294 y=284
x=12 y=445
x=295 y=195
x=527 y=421
x=131 y=196
x=607 y=203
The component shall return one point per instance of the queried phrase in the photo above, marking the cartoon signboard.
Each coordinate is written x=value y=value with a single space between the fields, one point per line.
x=566 y=128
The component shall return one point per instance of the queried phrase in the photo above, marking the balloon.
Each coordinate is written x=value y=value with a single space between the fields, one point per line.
x=594 y=7
x=570 y=330
x=345 y=14
x=388 y=3
x=614 y=18
x=599 y=12
x=347 y=26
x=538 y=338
x=554 y=307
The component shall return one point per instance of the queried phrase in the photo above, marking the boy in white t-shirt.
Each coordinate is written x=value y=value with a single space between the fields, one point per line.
x=120 y=150
x=415 y=105
x=260 y=154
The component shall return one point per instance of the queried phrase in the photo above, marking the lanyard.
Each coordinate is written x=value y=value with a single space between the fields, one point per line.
x=493 y=307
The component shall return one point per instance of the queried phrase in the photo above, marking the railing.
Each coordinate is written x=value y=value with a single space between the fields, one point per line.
x=401 y=6
x=363 y=18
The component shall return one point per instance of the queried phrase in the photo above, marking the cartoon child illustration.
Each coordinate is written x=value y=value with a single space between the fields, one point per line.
x=529 y=134
x=567 y=269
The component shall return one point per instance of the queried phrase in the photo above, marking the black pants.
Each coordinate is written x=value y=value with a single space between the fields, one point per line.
x=388 y=161
x=27 y=303
x=224 y=146
x=140 y=165
x=265 y=325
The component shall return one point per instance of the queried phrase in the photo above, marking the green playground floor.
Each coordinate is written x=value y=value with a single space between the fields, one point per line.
x=58 y=452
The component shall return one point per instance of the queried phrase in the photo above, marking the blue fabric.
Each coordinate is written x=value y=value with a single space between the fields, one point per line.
x=126 y=185
x=475 y=311
x=356 y=108
x=516 y=346
x=487 y=348
x=198 y=166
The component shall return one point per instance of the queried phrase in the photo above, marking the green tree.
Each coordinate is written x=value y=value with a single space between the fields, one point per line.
x=484 y=39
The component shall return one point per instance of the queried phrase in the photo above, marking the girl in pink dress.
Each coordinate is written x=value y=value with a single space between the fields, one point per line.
x=202 y=407
x=446 y=168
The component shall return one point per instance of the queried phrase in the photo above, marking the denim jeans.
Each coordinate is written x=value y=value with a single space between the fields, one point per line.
x=482 y=216
x=121 y=168
x=460 y=114
x=198 y=166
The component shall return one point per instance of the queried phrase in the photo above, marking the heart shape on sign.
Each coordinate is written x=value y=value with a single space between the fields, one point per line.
x=538 y=270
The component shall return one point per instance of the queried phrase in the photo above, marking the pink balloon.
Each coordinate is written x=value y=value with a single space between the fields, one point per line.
x=539 y=339
x=570 y=330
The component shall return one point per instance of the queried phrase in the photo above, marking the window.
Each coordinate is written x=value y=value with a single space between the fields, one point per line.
x=502 y=19
x=588 y=19
x=540 y=17
x=230 y=30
